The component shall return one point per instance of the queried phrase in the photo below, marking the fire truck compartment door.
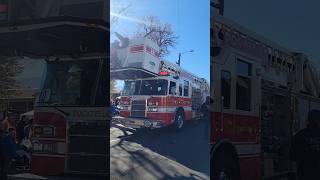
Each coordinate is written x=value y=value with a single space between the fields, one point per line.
x=54 y=36
x=130 y=73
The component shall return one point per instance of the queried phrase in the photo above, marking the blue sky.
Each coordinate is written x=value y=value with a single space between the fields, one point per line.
x=190 y=20
x=291 y=23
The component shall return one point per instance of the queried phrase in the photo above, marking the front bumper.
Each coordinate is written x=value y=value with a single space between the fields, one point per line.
x=138 y=122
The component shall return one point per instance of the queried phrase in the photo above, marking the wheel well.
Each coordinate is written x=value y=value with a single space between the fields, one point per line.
x=224 y=146
x=180 y=109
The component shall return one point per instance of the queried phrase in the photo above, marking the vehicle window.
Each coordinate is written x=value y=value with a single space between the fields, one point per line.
x=145 y=87
x=154 y=87
x=186 y=89
x=172 y=88
x=243 y=86
x=131 y=88
x=226 y=88
x=71 y=83
x=180 y=89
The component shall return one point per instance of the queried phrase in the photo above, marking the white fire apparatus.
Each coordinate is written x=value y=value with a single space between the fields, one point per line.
x=156 y=93
x=262 y=95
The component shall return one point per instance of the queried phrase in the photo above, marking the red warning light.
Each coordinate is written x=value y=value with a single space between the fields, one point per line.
x=164 y=73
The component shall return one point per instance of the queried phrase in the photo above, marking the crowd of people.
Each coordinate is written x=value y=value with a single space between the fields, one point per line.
x=15 y=145
x=115 y=106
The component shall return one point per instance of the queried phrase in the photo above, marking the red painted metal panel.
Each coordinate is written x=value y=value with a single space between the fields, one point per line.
x=228 y=126
x=52 y=119
x=250 y=168
x=165 y=117
x=171 y=101
x=137 y=48
x=236 y=128
x=47 y=166
x=125 y=100
x=246 y=128
x=214 y=132
x=124 y=113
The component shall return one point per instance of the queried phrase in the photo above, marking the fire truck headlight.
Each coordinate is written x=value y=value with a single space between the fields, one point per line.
x=152 y=103
x=153 y=109
x=37 y=130
x=124 y=103
x=43 y=131
x=48 y=131
x=124 y=108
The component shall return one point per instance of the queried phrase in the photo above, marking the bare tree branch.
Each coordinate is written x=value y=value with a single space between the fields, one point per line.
x=9 y=68
x=120 y=9
x=162 y=34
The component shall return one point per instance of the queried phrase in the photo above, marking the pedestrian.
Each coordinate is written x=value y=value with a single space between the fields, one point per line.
x=205 y=110
x=6 y=124
x=8 y=151
x=20 y=129
x=2 y=156
x=305 y=149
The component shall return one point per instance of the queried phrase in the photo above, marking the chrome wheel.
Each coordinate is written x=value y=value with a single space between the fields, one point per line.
x=223 y=176
x=180 y=121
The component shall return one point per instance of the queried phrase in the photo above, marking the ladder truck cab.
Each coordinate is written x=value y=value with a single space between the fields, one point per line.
x=156 y=93
x=262 y=95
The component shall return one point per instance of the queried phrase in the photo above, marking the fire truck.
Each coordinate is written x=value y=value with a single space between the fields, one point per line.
x=262 y=93
x=70 y=116
x=156 y=93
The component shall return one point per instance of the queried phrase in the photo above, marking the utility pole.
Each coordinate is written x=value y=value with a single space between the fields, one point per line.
x=219 y=5
x=179 y=58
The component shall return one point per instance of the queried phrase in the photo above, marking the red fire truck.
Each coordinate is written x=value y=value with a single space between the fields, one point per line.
x=156 y=93
x=70 y=115
x=262 y=94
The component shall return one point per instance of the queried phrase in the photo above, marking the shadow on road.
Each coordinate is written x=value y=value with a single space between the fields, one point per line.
x=187 y=147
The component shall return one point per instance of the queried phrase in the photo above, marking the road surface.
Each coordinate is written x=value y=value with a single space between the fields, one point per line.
x=160 y=153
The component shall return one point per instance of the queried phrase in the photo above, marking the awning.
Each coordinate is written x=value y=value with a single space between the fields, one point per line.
x=130 y=73
x=55 y=36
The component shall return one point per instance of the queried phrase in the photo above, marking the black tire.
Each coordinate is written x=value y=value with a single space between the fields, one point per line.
x=178 y=120
x=224 y=167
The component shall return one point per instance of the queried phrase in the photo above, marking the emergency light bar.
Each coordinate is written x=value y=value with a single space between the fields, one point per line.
x=164 y=73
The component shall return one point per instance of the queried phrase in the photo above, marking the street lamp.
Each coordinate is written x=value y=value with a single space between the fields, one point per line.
x=181 y=54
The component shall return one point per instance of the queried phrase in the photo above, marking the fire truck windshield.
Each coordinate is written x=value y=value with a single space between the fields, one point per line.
x=71 y=83
x=146 y=87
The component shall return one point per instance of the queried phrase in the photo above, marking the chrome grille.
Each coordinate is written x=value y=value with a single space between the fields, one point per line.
x=138 y=108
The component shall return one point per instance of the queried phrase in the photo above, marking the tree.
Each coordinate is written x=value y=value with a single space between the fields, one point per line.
x=113 y=87
x=114 y=91
x=9 y=68
x=161 y=33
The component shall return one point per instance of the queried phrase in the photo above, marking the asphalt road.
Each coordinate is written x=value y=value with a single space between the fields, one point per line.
x=160 y=153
